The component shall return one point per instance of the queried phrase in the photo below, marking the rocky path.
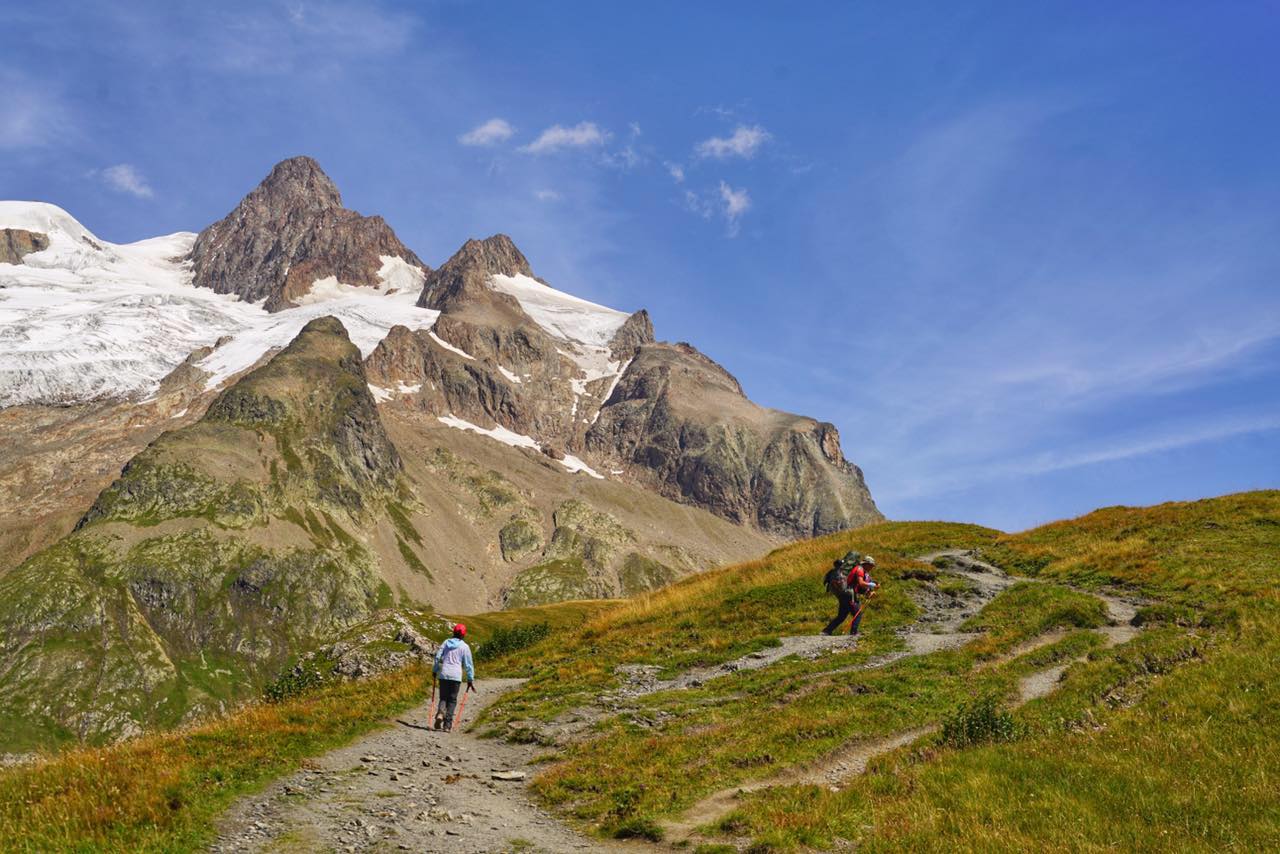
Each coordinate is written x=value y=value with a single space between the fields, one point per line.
x=406 y=788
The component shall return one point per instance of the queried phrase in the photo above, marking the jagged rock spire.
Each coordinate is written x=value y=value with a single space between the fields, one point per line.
x=288 y=232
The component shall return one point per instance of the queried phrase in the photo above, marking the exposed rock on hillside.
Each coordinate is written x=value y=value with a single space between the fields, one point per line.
x=686 y=423
x=631 y=336
x=289 y=232
x=487 y=361
x=223 y=548
x=15 y=243
x=591 y=556
x=464 y=278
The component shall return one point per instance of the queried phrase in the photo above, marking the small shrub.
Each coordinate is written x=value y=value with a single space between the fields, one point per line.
x=299 y=680
x=978 y=721
x=640 y=827
x=507 y=640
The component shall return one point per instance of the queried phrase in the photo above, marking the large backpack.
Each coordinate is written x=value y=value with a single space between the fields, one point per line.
x=835 y=580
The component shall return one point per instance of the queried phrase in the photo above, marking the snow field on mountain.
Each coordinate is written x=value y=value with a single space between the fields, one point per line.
x=85 y=319
x=563 y=315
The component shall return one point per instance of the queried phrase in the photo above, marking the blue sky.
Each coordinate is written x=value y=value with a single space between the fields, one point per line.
x=1024 y=255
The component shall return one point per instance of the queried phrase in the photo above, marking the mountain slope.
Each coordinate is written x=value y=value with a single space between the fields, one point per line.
x=682 y=698
x=682 y=423
x=221 y=550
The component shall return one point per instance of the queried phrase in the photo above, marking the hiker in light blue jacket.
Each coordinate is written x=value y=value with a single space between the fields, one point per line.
x=453 y=659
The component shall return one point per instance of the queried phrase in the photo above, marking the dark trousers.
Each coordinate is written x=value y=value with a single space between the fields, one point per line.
x=448 y=702
x=848 y=604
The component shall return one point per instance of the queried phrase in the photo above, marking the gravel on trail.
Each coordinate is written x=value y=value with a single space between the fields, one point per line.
x=408 y=788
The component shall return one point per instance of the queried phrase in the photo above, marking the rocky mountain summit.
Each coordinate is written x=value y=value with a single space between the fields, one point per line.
x=291 y=232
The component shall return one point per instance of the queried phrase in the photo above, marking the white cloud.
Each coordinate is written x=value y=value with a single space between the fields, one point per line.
x=126 y=178
x=697 y=204
x=627 y=158
x=491 y=132
x=547 y=196
x=743 y=142
x=736 y=203
x=556 y=137
x=635 y=129
x=676 y=171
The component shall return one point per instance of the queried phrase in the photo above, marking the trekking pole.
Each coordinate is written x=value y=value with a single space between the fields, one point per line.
x=457 y=719
x=863 y=605
x=431 y=715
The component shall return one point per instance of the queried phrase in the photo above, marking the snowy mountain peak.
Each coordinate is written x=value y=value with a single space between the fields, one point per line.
x=44 y=218
x=70 y=244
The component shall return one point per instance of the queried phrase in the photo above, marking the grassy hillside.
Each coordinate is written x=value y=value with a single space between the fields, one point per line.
x=1108 y=759
x=1163 y=742
x=222 y=549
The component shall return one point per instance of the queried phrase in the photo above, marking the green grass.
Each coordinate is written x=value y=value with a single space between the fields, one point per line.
x=1164 y=743
x=718 y=616
x=755 y=725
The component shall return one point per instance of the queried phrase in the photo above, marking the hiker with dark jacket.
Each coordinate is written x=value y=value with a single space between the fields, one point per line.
x=453 y=659
x=849 y=580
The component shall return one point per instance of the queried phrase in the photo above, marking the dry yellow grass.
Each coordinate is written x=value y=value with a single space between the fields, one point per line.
x=160 y=792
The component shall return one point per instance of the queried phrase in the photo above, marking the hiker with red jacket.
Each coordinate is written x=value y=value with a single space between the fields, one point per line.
x=849 y=580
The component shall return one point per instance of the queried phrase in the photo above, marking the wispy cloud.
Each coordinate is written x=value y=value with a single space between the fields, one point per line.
x=125 y=178
x=558 y=137
x=698 y=204
x=722 y=201
x=547 y=196
x=744 y=142
x=491 y=132
x=317 y=37
x=936 y=480
x=31 y=114
x=736 y=203
x=676 y=171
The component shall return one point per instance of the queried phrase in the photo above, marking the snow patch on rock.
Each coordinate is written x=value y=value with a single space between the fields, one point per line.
x=562 y=315
x=445 y=344
x=517 y=440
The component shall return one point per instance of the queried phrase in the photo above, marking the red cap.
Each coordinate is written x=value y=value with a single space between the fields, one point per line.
x=460 y=630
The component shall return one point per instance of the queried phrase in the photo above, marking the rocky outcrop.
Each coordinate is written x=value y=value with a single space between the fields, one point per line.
x=463 y=279
x=631 y=336
x=487 y=361
x=680 y=422
x=15 y=243
x=591 y=555
x=289 y=232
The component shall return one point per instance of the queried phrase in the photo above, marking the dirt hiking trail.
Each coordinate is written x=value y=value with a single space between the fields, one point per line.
x=406 y=788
